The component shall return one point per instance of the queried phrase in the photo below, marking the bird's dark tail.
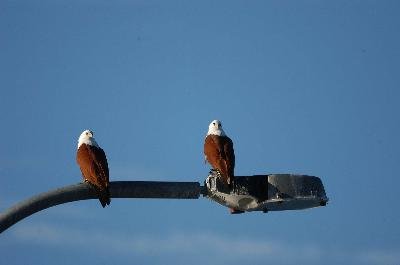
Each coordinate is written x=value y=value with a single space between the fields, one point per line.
x=104 y=197
x=103 y=193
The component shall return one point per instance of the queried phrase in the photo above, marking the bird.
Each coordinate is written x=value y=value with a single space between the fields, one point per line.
x=94 y=166
x=219 y=152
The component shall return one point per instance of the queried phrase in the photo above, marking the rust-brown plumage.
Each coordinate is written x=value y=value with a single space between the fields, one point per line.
x=94 y=167
x=220 y=154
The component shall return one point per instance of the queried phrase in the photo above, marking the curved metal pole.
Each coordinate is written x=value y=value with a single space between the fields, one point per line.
x=82 y=191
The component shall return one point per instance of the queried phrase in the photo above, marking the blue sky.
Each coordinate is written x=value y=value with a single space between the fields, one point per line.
x=308 y=87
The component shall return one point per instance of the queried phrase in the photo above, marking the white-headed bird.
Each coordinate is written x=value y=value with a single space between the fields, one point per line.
x=94 y=167
x=218 y=151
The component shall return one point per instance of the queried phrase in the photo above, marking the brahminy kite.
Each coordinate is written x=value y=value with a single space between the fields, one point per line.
x=94 y=167
x=218 y=151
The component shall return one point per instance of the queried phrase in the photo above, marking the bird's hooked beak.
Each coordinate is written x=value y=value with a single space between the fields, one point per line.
x=89 y=134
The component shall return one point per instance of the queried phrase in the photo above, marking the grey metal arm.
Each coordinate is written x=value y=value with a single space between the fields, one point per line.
x=82 y=191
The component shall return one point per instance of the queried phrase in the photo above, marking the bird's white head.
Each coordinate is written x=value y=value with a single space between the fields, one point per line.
x=86 y=137
x=215 y=128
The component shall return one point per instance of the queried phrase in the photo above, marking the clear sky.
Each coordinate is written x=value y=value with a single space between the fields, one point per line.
x=308 y=87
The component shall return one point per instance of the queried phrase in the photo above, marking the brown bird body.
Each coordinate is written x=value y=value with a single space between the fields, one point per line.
x=219 y=152
x=94 y=167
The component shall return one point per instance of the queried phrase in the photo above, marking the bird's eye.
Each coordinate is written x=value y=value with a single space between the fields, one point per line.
x=87 y=133
x=213 y=123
